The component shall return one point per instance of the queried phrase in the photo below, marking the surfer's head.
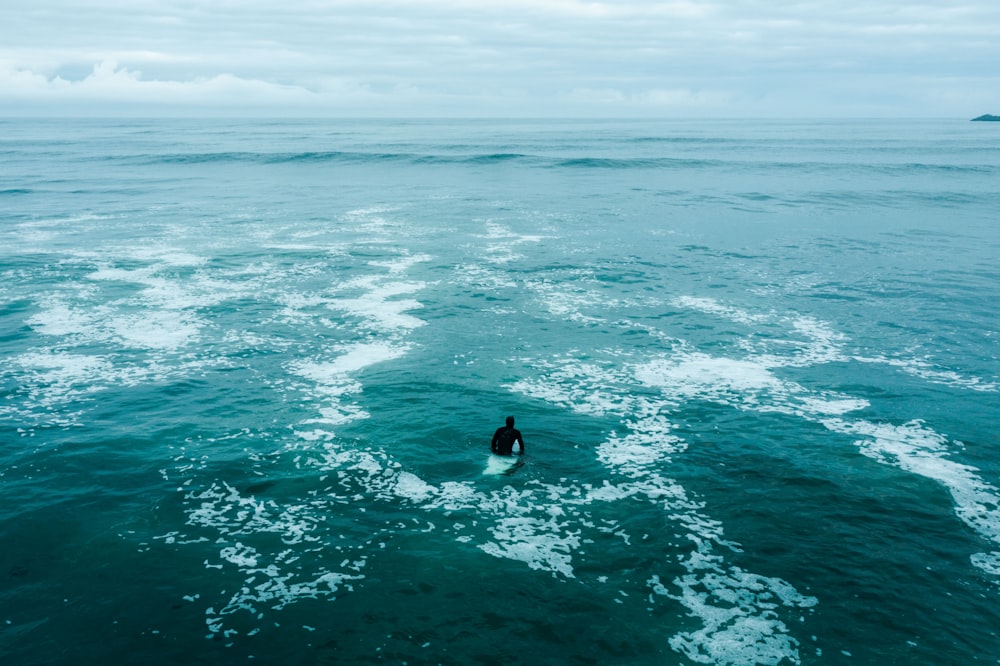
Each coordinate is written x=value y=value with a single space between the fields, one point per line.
x=510 y=421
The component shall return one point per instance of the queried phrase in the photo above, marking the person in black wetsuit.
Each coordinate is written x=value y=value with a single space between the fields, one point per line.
x=504 y=438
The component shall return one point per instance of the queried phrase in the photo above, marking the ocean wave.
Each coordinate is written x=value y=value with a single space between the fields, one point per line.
x=417 y=158
x=683 y=158
x=632 y=163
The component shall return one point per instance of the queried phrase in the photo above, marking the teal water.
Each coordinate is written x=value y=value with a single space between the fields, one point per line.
x=250 y=372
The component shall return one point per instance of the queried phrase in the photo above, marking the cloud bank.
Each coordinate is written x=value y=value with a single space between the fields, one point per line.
x=510 y=58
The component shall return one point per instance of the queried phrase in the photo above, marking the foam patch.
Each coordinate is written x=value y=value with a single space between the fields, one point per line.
x=740 y=620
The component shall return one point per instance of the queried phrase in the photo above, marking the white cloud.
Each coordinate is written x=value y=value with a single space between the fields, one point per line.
x=483 y=57
x=110 y=82
x=652 y=99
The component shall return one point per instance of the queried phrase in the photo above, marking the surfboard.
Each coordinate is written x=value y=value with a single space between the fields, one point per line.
x=500 y=465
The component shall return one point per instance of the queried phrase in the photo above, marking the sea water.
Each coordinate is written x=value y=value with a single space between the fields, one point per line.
x=250 y=372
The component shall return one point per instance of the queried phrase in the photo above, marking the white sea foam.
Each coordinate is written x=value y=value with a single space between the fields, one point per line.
x=541 y=544
x=482 y=277
x=701 y=375
x=166 y=330
x=54 y=379
x=413 y=488
x=137 y=327
x=44 y=230
x=818 y=342
x=647 y=445
x=353 y=358
x=113 y=274
x=569 y=303
x=223 y=507
x=502 y=251
x=167 y=256
x=712 y=306
x=522 y=527
x=751 y=384
x=373 y=221
x=988 y=562
x=59 y=319
x=738 y=609
x=927 y=371
x=541 y=525
x=379 y=308
x=240 y=555
x=821 y=344
x=911 y=447
x=402 y=264
x=335 y=379
x=496 y=231
x=383 y=314
x=748 y=384
x=162 y=290
x=295 y=306
x=830 y=406
x=272 y=580
x=589 y=388
x=64 y=367
x=917 y=449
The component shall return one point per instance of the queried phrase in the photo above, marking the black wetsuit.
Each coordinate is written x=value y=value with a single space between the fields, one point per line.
x=503 y=441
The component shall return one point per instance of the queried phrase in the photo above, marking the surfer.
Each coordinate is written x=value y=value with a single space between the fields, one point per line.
x=504 y=438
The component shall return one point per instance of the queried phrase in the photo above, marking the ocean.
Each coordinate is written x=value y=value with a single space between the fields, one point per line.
x=251 y=369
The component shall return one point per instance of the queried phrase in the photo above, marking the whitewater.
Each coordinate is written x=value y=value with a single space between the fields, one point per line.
x=251 y=369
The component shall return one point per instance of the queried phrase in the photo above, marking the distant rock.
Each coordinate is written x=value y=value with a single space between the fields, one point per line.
x=988 y=117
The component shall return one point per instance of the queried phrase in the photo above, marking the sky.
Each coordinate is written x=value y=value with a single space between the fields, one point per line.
x=500 y=58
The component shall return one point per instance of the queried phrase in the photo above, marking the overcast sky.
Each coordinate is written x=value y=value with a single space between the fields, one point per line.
x=616 y=58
